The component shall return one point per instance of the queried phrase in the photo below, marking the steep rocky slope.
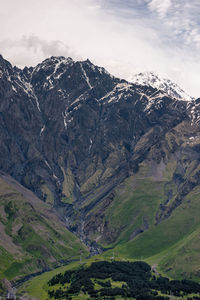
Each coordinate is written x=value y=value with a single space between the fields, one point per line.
x=115 y=159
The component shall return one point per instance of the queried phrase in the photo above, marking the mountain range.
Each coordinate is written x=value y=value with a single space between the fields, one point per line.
x=114 y=164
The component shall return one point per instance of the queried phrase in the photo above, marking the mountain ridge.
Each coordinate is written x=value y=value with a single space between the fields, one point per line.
x=163 y=84
x=114 y=159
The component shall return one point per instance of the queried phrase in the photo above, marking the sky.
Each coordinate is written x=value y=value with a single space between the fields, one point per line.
x=124 y=36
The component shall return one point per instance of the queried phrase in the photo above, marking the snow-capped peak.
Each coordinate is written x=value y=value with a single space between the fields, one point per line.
x=163 y=84
x=52 y=63
x=51 y=70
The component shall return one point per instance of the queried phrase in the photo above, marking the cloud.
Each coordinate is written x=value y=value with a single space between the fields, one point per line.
x=29 y=50
x=181 y=19
x=125 y=37
x=161 y=7
x=175 y=49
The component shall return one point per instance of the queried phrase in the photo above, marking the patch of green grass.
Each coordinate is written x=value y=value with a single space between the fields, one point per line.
x=183 y=261
x=68 y=200
x=38 y=287
x=5 y=260
x=174 y=243
x=8 y=227
x=169 y=170
x=135 y=205
x=14 y=269
x=48 y=194
x=68 y=186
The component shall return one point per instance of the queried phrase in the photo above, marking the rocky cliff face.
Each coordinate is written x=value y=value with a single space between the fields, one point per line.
x=73 y=134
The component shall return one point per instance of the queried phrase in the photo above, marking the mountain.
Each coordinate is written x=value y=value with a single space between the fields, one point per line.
x=117 y=161
x=167 y=86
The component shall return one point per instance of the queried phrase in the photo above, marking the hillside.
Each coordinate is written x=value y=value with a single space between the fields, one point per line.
x=33 y=239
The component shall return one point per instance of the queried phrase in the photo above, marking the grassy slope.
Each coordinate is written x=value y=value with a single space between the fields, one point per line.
x=32 y=237
x=182 y=259
x=137 y=200
x=130 y=210
x=37 y=287
x=174 y=244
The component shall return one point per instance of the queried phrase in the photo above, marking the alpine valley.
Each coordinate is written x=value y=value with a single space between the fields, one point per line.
x=94 y=164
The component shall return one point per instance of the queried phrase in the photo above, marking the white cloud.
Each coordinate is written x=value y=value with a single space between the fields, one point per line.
x=126 y=36
x=29 y=50
x=160 y=6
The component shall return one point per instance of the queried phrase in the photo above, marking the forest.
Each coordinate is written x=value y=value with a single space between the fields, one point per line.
x=108 y=280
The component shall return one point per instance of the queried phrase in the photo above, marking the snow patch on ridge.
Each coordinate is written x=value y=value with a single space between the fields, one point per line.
x=56 y=74
x=42 y=129
x=193 y=108
x=163 y=84
x=55 y=67
x=85 y=75
x=26 y=87
x=121 y=90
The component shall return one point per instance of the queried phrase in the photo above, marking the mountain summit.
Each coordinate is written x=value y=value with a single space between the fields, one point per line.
x=165 y=85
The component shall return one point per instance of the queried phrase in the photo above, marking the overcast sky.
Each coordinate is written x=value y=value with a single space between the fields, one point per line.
x=124 y=36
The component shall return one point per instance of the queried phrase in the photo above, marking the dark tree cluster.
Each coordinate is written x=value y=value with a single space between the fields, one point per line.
x=61 y=278
x=137 y=279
